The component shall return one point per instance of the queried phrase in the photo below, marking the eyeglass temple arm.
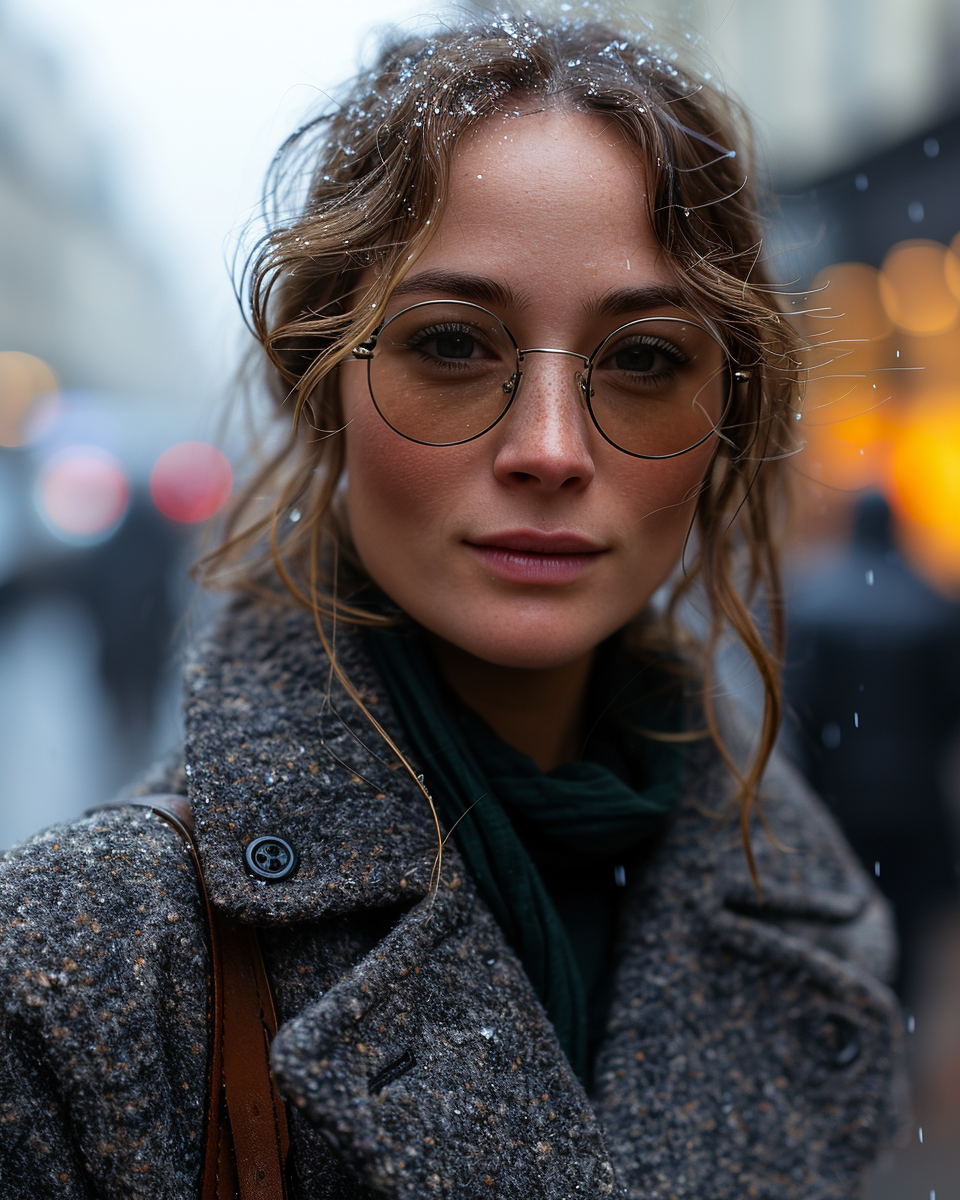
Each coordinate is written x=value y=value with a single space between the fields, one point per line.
x=366 y=349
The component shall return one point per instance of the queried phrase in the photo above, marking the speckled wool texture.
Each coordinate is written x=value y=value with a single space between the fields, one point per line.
x=103 y=1059
x=751 y=1048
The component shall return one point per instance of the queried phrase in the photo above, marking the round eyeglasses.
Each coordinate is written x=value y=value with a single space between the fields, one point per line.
x=445 y=372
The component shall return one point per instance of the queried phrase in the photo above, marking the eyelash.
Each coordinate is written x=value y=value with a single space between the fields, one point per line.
x=668 y=349
x=424 y=335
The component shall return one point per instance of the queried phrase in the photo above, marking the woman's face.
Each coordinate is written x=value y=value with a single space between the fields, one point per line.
x=530 y=545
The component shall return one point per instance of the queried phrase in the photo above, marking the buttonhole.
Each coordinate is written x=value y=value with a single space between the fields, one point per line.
x=391 y=1073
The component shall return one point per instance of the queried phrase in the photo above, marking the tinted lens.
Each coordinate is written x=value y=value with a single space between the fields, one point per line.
x=443 y=372
x=659 y=386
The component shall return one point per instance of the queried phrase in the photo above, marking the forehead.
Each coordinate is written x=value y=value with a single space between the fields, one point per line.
x=548 y=195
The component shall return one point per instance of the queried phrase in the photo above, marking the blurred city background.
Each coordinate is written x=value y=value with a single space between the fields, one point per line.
x=133 y=141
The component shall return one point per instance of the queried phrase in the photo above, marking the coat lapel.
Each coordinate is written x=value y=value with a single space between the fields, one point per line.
x=436 y=1071
x=275 y=747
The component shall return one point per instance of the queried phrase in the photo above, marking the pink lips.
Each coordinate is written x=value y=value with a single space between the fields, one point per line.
x=529 y=556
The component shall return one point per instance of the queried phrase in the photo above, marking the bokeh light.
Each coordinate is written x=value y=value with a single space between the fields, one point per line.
x=951 y=267
x=925 y=477
x=850 y=454
x=191 y=481
x=845 y=418
x=882 y=405
x=82 y=494
x=845 y=327
x=845 y=299
x=25 y=381
x=914 y=288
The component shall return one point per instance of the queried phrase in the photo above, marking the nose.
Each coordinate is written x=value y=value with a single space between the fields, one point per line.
x=545 y=439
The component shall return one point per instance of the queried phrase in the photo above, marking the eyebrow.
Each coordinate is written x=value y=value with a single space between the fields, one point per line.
x=627 y=300
x=476 y=288
x=479 y=289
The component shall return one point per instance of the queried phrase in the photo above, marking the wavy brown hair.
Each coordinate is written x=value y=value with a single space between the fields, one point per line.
x=353 y=197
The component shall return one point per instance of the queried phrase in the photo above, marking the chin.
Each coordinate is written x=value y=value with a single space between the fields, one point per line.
x=532 y=642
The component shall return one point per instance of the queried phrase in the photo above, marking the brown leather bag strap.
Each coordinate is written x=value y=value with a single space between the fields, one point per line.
x=246 y=1141
x=258 y=1119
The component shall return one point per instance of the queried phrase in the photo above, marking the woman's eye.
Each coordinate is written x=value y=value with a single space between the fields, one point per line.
x=454 y=345
x=646 y=358
x=448 y=344
x=642 y=359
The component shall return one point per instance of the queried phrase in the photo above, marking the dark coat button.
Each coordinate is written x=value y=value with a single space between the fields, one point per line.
x=835 y=1039
x=271 y=858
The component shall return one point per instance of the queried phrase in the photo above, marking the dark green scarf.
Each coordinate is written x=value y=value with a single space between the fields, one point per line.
x=607 y=805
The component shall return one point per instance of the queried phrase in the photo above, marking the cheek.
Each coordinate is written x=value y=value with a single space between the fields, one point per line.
x=661 y=500
x=397 y=491
x=662 y=495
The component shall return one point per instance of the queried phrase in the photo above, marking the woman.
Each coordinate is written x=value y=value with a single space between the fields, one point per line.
x=493 y=822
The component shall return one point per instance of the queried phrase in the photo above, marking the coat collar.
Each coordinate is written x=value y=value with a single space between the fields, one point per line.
x=275 y=746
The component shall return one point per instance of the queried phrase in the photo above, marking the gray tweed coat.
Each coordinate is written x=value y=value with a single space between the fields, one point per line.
x=752 y=1050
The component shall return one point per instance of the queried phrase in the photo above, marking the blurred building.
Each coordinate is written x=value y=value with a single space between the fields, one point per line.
x=73 y=291
x=95 y=370
x=827 y=82
x=905 y=191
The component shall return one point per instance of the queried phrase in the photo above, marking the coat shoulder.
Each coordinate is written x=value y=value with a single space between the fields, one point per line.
x=114 y=874
x=103 y=952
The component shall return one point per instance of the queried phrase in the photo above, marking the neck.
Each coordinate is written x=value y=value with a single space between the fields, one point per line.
x=538 y=711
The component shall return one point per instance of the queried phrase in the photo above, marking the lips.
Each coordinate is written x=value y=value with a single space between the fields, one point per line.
x=534 y=556
x=529 y=541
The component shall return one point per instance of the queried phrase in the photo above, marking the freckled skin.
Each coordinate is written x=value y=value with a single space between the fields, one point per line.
x=551 y=205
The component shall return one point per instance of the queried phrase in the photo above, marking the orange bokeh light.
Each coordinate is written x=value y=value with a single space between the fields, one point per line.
x=846 y=306
x=926 y=466
x=847 y=329
x=951 y=267
x=849 y=453
x=24 y=382
x=925 y=477
x=882 y=409
x=914 y=288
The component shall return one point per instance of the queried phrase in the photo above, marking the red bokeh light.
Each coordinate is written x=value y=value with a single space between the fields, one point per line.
x=83 y=493
x=191 y=481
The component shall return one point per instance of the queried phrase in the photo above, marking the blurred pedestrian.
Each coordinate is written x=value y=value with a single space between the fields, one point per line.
x=873 y=676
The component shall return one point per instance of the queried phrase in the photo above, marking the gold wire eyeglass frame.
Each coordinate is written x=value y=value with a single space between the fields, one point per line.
x=366 y=350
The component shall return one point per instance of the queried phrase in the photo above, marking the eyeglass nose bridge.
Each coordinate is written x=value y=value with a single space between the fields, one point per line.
x=550 y=350
x=579 y=375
